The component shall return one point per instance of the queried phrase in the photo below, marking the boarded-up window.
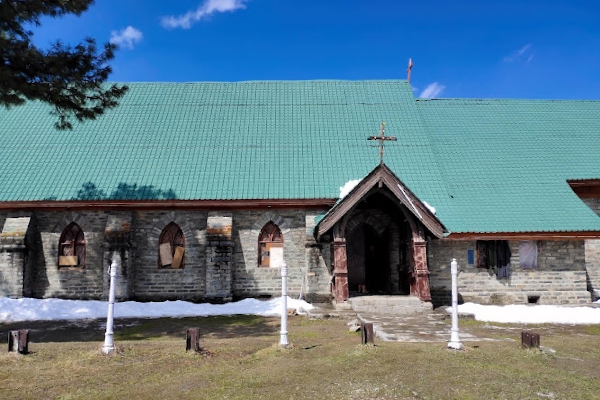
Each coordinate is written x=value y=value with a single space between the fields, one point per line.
x=270 y=246
x=171 y=247
x=71 y=249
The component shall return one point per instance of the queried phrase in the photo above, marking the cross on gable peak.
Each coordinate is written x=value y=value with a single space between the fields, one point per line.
x=381 y=139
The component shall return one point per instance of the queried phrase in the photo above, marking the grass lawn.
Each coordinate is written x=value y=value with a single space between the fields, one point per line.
x=242 y=360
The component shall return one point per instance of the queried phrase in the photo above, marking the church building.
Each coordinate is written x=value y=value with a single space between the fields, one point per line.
x=200 y=191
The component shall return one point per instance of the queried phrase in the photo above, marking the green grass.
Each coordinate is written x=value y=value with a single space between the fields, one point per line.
x=242 y=360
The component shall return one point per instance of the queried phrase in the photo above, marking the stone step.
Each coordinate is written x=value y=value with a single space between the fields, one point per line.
x=390 y=305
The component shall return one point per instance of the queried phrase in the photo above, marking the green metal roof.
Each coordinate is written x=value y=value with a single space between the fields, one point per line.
x=507 y=162
x=485 y=165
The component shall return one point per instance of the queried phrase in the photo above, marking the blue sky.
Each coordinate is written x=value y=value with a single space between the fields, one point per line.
x=460 y=48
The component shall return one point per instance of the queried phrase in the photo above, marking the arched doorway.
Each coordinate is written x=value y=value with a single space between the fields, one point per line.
x=368 y=260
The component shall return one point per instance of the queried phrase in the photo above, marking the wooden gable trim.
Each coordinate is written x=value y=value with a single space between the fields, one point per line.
x=413 y=204
x=382 y=175
x=586 y=189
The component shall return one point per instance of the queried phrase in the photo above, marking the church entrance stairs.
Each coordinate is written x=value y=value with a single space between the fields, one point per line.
x=389 y=305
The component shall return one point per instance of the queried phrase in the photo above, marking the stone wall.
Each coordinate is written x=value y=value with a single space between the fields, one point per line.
x=220 y=259
x=560 y=277
x=592 y=255
x=154 y=283
x=307 y=270
x=222 y=264
x=47 y=279
x=318 y=261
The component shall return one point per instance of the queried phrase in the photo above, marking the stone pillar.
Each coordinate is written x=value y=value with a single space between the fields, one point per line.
x=13 y=257
x=117 y=245
x=420 y=282
x=122 y=287
x=219 y=256
x=12 y=264
x=340 y=270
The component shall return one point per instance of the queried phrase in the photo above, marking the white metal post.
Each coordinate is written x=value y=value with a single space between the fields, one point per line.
x=109 y=345
x=283 y=341
x=454 y=342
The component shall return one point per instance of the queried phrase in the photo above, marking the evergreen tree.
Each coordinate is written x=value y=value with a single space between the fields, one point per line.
x=70 y=78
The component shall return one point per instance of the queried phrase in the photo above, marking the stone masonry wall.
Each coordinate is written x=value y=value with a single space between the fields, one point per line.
x=307 y=271
x=559 y=279
x=318 y=265
x=219 y=260
x=48 y=280
x=33 y=271
x=592 y=255
x=212 y=268
x=154 y=283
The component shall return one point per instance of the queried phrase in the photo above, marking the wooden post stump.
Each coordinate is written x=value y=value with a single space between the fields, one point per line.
x=366 y=333
x=192 y=341
x=530 y=340
x=18 y=341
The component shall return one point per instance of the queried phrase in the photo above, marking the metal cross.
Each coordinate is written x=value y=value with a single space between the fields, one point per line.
x=381 y=139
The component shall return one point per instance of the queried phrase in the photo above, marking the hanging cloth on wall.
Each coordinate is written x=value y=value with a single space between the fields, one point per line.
x=492 y=256
x=503 y=255
x=528 y=253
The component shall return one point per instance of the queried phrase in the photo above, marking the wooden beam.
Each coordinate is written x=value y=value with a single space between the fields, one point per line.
x=525 y=236
x=586 y=189
x=317 y=204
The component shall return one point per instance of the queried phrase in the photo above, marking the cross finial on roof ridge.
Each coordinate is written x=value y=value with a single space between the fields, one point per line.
x=381 y=139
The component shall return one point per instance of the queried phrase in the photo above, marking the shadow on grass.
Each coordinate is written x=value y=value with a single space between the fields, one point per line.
x=132 y=329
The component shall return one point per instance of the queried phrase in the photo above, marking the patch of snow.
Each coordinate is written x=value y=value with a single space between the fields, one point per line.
x=27 y=309
x=429 y=207
x=532 y=314
x=348 y=186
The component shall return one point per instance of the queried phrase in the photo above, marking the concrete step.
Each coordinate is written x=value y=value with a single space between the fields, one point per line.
x=321 y=311
x=389 y=305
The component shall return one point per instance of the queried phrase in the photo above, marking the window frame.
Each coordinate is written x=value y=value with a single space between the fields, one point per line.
x=77 y=246
x=173 y=235
x=270 y=236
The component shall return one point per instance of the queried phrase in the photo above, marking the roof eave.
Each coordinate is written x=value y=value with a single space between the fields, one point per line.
x=168 y=204
x=572 y=235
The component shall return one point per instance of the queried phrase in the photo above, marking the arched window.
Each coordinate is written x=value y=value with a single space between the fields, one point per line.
x=171 y=247
x=270 y=246
x=71 y=248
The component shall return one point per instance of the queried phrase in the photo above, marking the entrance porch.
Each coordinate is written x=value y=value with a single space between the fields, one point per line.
x=380 y=233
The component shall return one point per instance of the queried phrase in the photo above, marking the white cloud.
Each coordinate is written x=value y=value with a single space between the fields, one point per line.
x=529 y=59
x=525 y=50
x=205 y=9
x=126 y=37
x=432 y=91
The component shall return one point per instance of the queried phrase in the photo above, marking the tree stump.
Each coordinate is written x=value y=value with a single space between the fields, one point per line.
x=192 y=341
x=366 y=333
x=18 y=341
x=530 y=340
